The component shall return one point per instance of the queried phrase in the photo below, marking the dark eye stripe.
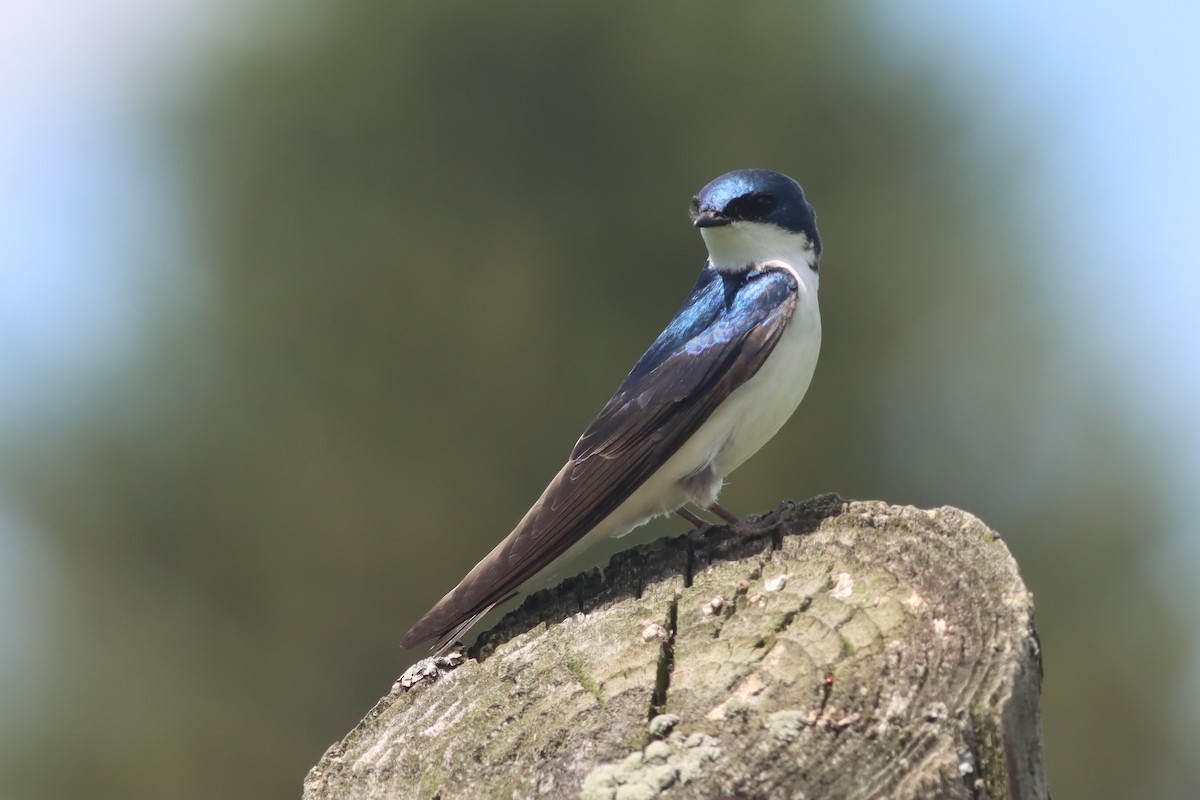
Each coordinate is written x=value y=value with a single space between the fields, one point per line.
x=752 y=206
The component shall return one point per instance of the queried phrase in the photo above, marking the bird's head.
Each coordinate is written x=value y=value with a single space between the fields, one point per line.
x=753 y=215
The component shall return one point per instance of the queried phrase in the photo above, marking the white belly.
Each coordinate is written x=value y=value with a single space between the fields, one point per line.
x=758 y=409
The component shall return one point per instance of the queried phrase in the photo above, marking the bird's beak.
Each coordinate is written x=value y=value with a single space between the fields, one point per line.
x=710 y=219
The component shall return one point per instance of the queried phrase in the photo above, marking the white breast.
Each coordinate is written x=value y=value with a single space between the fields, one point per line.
x=756 y=411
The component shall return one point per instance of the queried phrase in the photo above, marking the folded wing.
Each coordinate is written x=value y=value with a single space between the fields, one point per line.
x=717 y=342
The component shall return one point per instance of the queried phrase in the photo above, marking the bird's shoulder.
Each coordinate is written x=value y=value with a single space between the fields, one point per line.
x=718 y=306
x=717 y=341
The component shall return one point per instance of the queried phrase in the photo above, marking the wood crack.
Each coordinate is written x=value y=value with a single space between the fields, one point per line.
x=666 y=662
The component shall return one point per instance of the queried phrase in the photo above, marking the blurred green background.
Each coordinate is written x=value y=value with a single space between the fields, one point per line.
x=301 y=317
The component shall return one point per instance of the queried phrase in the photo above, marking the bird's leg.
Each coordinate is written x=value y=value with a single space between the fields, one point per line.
x=692 y=519
x=730 y=518
x=742 y=528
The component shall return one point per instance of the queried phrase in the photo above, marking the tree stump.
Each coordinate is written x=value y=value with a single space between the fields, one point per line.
x=862 y=651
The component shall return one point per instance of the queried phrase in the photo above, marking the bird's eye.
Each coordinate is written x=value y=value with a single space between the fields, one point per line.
x=696 y=203
x=755 y=205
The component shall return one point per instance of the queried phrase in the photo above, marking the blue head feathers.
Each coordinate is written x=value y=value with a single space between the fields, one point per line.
x=756 y=195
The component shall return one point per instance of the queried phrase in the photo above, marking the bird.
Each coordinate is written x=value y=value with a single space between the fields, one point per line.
x=718 y=383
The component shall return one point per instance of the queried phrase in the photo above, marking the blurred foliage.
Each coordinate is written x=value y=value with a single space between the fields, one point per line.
x=438 y=235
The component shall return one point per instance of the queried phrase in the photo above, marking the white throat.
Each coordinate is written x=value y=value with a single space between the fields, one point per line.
x=731 y=248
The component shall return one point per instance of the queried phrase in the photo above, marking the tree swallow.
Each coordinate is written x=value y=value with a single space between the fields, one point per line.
x=713 y=388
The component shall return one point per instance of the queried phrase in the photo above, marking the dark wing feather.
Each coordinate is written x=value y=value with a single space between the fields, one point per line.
x=716 y=344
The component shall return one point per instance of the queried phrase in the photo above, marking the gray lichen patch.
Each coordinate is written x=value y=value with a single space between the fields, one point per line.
x=646 y=773
x=786 y=725
x=662 y=725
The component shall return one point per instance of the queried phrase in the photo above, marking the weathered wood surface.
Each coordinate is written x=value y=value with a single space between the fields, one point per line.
x=866 y=651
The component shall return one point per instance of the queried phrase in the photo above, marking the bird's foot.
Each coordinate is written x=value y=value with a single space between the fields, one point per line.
x=751 y=529
x=743 y=529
